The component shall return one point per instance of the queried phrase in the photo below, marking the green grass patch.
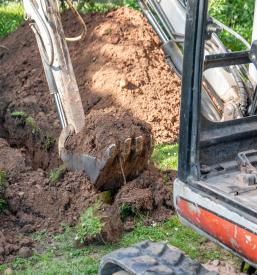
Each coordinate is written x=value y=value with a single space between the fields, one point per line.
x=61 y=256
x=27 y=120
x=19 y=114
x=30 y=122
x=165 y=157
x=90 y=224
x=49 y=143
x=102 y=6
x=3 y=204
x=3 y=178
x=56 y=174
x=11 y=16
x=127 y=210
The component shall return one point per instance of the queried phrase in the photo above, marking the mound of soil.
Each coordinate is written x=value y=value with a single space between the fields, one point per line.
x=124 y=72
x=127 y=89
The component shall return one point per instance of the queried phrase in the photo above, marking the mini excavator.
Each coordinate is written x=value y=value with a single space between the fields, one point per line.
x=215 y=192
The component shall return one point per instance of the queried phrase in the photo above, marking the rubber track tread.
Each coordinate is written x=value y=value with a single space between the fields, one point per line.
x=149 y=258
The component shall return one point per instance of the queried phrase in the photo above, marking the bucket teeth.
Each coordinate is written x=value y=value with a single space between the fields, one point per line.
x=110 y=153
x=126 y=150
x=139 y=145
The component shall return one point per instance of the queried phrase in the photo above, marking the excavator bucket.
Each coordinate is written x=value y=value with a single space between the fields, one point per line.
x=118 y=163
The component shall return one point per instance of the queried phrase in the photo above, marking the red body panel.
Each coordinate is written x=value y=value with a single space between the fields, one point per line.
x=230 y=234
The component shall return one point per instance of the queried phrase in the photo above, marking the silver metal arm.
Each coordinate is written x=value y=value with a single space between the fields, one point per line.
x=47 y=26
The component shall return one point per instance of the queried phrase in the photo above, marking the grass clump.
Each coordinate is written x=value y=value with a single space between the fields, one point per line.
x=11 y=17
x=2 y=178
x=90 y=224
x=57 y=174
x=3 y=204
x=91 y=6
x=165 y=157
x=19 y=114
x=49 y=143
x=127 y=210
x=27 y=120
x=30 y=122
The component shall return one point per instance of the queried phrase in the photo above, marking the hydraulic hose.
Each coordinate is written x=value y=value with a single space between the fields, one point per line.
x=243 y=96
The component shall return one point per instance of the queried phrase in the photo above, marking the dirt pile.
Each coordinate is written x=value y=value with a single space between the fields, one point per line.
x=123 y=67
x=125 y=86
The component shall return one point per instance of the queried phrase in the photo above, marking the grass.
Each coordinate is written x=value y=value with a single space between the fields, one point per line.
x=127 y=210
x=238 y=15
x=56 y=174
x=19 y=114
x=166 y=157
x=61 y=256
x=11 y=16
x=101 y=6
x=2 y=178
x=30 y=122
x=27 y=120
x=49 y=143
x=90 y=224
x=3 y=204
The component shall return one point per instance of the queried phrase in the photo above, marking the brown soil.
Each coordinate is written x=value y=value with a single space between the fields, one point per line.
x=221 y=267
x=124 y=75
x=105 y=127
x=120 y=70
x=35 y=203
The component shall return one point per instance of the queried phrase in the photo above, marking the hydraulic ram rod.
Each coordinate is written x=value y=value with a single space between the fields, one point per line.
x=46 y=24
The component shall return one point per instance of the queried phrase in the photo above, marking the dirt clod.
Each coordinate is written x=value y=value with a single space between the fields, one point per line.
x=25 y=252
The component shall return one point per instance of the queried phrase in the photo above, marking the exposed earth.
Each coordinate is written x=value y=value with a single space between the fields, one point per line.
x=123 y=80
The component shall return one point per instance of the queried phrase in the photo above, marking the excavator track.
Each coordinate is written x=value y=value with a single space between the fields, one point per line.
x=149 y=258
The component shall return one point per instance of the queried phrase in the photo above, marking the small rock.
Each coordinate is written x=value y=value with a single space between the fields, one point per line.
x=216 y=262
x=25 y=252
x=124 y=83
x=28 y=228
x=8 y=271
x=21 y=194
x=115 y=40
x=129 y=226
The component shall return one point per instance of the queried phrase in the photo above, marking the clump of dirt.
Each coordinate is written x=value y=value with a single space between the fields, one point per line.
x=148 y=193
x=221 y=267
x=127 y=89
x=104 y=127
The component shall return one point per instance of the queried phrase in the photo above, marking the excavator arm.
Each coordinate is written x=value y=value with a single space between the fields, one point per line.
x=47 y=27
x=119 y=161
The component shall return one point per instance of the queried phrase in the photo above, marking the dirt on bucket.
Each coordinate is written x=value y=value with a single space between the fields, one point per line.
x=127 y=89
